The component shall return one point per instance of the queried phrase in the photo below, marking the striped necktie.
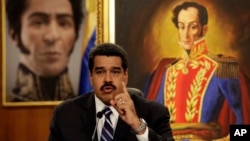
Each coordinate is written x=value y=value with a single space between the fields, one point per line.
x=107 y=130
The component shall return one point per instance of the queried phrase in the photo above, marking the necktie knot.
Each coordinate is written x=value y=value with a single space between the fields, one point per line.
x=107 y=112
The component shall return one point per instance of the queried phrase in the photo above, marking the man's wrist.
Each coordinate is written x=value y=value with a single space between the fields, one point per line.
x=141 y=128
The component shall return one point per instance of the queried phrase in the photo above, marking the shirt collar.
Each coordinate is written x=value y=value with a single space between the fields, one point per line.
x=100 y=105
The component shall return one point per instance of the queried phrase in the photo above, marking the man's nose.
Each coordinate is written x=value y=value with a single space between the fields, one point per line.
x=52 y=33
x=108 y=77
x=186 y=33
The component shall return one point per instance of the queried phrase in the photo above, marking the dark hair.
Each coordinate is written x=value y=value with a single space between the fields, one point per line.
x=203 y=14
x=108 y=49
x=15 y=9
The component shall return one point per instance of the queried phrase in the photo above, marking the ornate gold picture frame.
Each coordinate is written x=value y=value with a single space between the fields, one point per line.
x=10 y=60
x=146 y=31
x=105 y=21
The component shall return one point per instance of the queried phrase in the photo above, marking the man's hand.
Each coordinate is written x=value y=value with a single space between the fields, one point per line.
x=126 y=109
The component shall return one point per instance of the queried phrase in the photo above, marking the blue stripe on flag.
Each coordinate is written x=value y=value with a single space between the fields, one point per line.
x=84 y=84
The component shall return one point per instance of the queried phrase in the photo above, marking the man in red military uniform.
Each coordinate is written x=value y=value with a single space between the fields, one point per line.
x=202 y=91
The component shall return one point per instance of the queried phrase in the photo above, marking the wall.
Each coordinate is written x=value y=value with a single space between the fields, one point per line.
x=24 y=123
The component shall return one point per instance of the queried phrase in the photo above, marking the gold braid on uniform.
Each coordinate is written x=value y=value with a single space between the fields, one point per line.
x=227 y=66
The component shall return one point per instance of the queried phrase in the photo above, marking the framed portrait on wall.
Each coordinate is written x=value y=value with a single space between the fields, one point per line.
x=42 y=50
x=146 y=29
x=165 y=44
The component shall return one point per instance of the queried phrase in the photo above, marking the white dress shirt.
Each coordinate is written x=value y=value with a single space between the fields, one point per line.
x=114 y=119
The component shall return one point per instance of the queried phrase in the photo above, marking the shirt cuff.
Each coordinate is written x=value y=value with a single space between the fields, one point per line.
x=144 y=136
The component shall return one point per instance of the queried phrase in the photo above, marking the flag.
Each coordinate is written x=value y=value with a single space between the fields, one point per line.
x=84 y=85
x=89 y=39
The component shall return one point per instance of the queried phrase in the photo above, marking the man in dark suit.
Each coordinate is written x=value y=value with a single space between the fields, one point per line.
x=132 y=117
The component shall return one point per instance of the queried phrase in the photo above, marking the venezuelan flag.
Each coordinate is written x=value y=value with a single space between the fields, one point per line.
x=89 y=41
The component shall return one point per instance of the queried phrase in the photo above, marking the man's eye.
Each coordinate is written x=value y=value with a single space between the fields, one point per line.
x=99 y=72
x=37 y=22
x=66 y=23
x=116 y=72
x=194 y=27
x=181 y=27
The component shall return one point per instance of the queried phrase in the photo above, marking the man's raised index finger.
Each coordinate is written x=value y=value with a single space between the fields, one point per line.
x=124 y=88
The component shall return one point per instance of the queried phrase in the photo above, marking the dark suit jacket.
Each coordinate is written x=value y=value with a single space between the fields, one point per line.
x=75 y=120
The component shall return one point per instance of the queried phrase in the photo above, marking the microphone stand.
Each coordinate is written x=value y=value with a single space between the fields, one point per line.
x=99 y=116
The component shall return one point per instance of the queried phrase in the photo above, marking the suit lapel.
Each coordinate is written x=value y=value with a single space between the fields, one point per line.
x=123 y=132
x=87 y=106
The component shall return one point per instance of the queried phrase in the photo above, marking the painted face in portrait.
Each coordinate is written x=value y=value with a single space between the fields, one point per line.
x=107 y=76
x=47 y=32
x=189 y=27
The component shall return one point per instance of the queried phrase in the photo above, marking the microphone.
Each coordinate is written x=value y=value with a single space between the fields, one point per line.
x=99 y=116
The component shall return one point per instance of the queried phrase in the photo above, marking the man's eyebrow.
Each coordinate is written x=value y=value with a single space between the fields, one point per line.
x=117 y=68
x=194 y=22
x=45 y=15
x=99 y=68
x=180 y=22
x=38 y=14
x=64 y=15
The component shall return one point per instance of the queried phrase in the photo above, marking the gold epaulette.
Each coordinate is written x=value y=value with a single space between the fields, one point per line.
x=227 y=66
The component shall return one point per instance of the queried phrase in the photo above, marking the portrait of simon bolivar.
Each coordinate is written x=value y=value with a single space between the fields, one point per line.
x=43 y=50
x=192 y=57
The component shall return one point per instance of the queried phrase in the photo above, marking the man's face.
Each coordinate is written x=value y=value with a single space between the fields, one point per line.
x=47 y=31
x=107 y=76
x=189 y=27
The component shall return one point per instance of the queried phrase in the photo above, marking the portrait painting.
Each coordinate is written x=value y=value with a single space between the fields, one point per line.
x=42 y=50
x=190 y=55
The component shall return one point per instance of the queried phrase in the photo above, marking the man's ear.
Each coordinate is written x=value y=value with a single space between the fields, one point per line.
x=14 y=37
x=204 y=30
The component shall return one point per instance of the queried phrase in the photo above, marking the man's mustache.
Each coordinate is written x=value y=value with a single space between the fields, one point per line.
x=108 y=84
